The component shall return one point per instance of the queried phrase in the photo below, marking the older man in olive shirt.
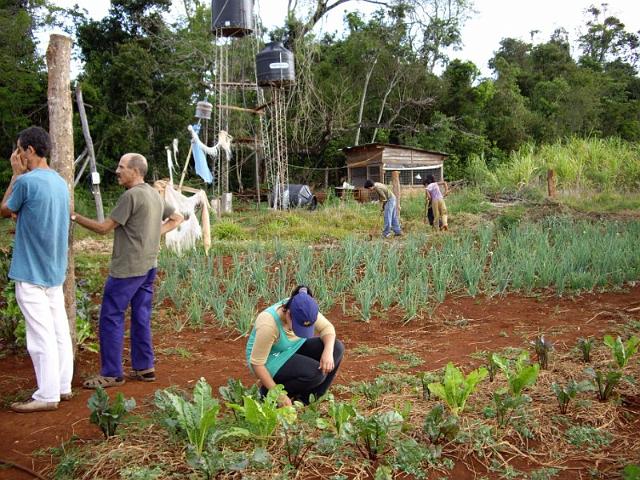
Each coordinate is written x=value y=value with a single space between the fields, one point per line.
x=137 y=221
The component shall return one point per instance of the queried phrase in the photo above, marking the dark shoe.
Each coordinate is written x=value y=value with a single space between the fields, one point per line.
x=65 y=397
x=398 y=234
x=386 y=235
x=148 y=375
x=33 y=405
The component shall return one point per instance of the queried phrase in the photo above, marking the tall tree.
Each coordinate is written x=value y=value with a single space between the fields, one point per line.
x=606 y=39
x=141 y=97
x=22 y=75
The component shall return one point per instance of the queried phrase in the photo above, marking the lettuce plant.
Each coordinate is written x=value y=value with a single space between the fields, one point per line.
x=340 y=414
x=456 y=388
x=107 y=415
x=372 y=435
x=585 y=345
x=519 y=375
x=439 y=426
x=197 y=419
x=622 y=351
x=234 y=391
x=605 y=383
x=492 y=367
x=262 y=417
x=564 y=394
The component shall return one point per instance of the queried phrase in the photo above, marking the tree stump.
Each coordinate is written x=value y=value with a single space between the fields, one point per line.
x=551 y=183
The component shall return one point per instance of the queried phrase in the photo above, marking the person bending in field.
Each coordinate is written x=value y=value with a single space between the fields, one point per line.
x=138 y=220
x=282 y=348
x=435 y=201
x=389 y=210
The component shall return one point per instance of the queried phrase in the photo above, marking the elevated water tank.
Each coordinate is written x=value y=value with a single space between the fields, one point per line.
x=203 y=110
x=232 y=18
x=275 y=66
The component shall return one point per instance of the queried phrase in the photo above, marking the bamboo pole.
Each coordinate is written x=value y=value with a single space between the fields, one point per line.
x=95 y=181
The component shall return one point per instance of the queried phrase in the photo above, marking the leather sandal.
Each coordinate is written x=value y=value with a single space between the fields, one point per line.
x=102 y=381
x=148 y=375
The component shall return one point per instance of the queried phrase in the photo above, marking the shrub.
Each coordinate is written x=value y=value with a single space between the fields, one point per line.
x=227 y=230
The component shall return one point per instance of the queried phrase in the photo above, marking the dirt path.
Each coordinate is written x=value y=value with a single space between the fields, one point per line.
x=458 y=328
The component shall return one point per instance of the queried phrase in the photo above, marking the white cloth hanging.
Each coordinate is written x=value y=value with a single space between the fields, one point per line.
x=190 y=231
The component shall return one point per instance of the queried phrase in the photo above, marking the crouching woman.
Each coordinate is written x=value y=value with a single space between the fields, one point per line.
x=293 y=344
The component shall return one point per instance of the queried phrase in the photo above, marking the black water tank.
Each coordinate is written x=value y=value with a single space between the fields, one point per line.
x=232 y=18
x=275 y=66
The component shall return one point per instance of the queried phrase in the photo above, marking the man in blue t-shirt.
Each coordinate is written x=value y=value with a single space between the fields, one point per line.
x=39 y=198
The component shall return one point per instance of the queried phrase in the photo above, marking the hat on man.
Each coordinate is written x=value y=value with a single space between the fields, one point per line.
x=304 y=312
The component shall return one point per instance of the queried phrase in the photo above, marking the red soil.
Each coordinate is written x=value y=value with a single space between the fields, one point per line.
x=456 y=329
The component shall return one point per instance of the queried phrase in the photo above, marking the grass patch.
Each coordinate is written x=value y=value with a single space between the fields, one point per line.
x=603 y=202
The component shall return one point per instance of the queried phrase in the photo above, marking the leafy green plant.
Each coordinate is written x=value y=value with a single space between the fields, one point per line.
x=11 y=317
x=564 y=394
x=410 y=456
x=196 y=419
x=543 y=349
x=142 y=473
x=372 y=435
x=425 y=379
x=107 y=415
x=605 y=383
x=492 y=367
x=456 y=388
x=544 y=473
x=372 y=391
x=506 y=404
x=631 y=472
x=234 y=391
x=439 y=426
x=296 y=444
x=585 y=346
x=622 y=351
x=262 y=417
x=588 y=436
x=520 y=374
x=340 y=413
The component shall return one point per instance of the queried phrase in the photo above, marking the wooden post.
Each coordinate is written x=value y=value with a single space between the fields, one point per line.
x=95 y=180
x=395 y=185
x=258 y=156
x=551 y=183
x=61 y=158
x=326 y=178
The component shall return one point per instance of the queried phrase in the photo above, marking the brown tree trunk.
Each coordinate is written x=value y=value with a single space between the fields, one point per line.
x=395 y=185
x=551 y=183
x=61 y=158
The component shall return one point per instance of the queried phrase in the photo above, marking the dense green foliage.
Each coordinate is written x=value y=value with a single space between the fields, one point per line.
x=385 y=78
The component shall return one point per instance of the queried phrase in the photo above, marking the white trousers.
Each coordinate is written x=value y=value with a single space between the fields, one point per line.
x=48 y=339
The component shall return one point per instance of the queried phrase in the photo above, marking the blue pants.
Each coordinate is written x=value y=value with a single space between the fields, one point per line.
x=391 y=219
x=118 y=294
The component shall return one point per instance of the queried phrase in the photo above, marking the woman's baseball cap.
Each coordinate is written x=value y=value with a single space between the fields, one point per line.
x=304 y=313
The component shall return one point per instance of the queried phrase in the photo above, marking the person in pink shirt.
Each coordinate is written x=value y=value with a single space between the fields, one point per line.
x=435 y=200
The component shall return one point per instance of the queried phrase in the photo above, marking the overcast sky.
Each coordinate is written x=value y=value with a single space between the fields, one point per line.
x=494 y=20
